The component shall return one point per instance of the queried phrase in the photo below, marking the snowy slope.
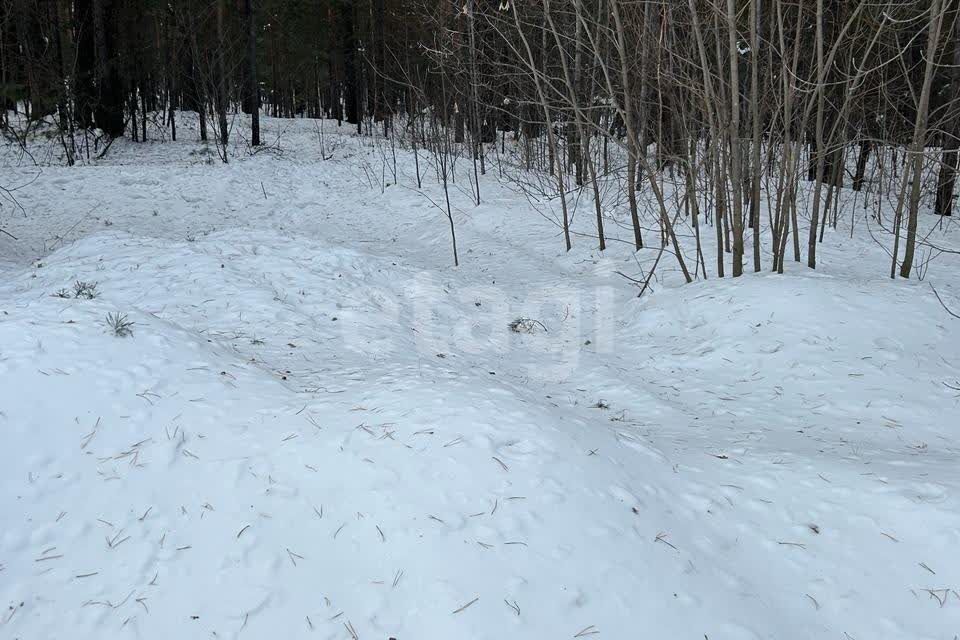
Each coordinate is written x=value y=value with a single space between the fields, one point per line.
x=318 y=428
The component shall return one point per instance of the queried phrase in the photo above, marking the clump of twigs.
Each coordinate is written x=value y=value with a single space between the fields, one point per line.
x=526 y=325
x=120 y=325
x=85 y=290
x=81 y=290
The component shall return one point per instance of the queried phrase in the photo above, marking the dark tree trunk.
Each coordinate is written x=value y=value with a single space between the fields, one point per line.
x=195 y=89
x=85 y=81
x=221 y=101
x=948 y=176
x=459 y=121
x=253 y=84
x=108 y=112
x=351 y=88
x=951 y=145
x=862 y=156
x=133 y=115
x=173 y=69
x=380 y=103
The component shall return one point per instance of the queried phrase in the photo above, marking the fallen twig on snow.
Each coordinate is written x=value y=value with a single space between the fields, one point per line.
x=943 y=304
x=466 y=605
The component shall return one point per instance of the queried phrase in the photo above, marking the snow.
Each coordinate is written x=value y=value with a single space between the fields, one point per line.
x=321 y=428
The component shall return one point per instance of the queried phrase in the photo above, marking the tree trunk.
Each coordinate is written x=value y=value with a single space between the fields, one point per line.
x=254 y=85
x=736 y=188
x=951 y=145
x=919 y=137
x=864 y=154
x=108 y=113
x=818 y=146
x=221 y=101
x=755 y=38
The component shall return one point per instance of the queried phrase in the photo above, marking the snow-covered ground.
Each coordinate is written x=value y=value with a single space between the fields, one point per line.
x=319 y=428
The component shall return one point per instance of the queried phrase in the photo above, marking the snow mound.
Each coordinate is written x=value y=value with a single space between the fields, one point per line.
x=300 y=438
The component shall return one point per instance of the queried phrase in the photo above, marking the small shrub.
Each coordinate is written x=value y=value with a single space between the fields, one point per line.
x=85 y=290
x=63 y=293
x=120 y=325
x=526 y=325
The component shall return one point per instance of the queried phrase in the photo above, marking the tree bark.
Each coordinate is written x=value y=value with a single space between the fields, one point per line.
x=951 y=145
x=222 y=81
x=108 y=113
x=919 y=137
x=254 y=85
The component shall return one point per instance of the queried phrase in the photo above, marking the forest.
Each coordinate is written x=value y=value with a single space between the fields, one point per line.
x=703 y=106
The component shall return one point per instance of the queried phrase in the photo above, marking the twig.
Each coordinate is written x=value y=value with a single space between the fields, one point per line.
x=48 y=558
x=942 y=303
x=662 y=537
x=465 y=606
x=87 y=438
x=351 y=630
x=792 y=544
x=934 y=594
x=293 y=557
